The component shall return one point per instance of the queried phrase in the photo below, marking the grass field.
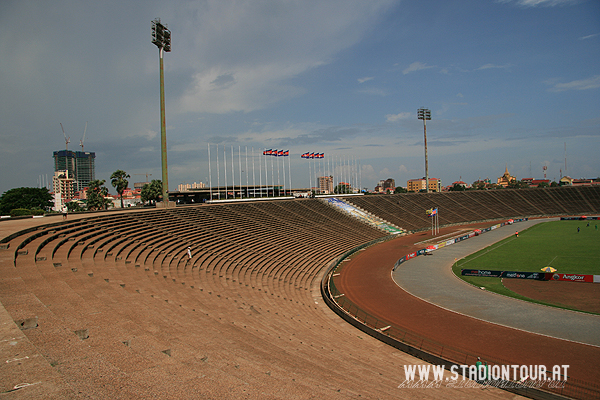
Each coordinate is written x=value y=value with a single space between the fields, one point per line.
x=556 y=244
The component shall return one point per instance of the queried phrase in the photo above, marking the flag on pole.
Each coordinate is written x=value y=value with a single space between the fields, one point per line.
x=286 y=153
x=267 y=152
x=305 y=155
x=311 y=155
x=322 y=155
x=432 y=212
x=274 y=153
x=280 y=153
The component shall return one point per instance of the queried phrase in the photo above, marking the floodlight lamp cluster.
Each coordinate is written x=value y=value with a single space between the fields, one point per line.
x=161 y=35
x=424 y=114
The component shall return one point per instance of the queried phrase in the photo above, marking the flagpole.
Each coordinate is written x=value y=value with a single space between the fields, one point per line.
x=209 y=173
x=253 y=175
x=266 y=176
x=309 y=177
x=272 y=176
x=247 y=173
x=218 y=177
x=283 y=162
x=225 y=164
x=233 y=172
x=278 y=175
x=290 y=172
x=240 y=168
x=260 y=173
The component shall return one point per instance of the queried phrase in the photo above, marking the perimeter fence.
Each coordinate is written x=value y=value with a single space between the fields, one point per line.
x=437 y=353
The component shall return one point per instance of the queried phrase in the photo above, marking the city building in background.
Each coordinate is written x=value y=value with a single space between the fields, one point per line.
x=384 y=185
x=506 y=179
x=64 y=189
x=79 y=164
x=416 y=185
x=326 y=184
x=190 y=186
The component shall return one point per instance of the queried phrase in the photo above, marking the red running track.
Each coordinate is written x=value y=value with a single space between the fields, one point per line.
x=366 y=281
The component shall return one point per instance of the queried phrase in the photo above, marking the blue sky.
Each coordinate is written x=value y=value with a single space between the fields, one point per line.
x=508 y=84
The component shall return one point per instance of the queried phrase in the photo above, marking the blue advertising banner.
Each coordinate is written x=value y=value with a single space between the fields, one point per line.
x=540 y=276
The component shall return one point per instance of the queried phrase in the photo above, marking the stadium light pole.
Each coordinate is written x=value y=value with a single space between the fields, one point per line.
x=161 y=37
x=425 y=115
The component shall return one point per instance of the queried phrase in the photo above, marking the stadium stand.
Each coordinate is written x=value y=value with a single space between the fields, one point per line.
x=112 y=306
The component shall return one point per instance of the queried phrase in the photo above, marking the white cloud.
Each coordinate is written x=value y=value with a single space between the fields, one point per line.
x=368 y=172
x=582 y=84
x=243 y=55
x=545 y=3
x=365 y=79
x=589 y=36
x=492 y=66
x=416 y=66
x=398 y=117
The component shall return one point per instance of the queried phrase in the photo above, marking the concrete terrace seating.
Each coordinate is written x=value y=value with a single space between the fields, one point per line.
x=122 y=292
x=123 y=312
x=408 y=210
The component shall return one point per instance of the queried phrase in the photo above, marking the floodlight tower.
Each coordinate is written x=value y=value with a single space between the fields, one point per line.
x=425 y=115
x=161 y=37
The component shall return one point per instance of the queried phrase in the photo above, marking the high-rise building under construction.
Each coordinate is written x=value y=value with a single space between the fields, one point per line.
x=80 y=164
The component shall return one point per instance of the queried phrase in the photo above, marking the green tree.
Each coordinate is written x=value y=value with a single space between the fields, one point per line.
x=96 y=195
x=457 y=187
x=478 y=185
x=342 y=189
x=554 y=184
x=74 y=206
x=25 y=198
x=400 y=189
x=543 y=185
x=152 y=191
x=515 y=184
x=119 y=181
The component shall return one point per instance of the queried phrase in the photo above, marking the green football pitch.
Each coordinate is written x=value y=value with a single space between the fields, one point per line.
x=556 y=244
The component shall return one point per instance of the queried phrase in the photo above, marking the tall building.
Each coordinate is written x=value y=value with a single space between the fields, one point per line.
x=325 y=184
x=415 y=185
x=385 y=185
x=80 y=164
x=63 y=187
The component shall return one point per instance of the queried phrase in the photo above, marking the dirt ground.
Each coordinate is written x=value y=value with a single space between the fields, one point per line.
x=578 y=295
x=366 y=281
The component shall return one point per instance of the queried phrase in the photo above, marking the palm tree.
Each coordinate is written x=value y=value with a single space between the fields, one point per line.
x=119 y=181
x=96 y=195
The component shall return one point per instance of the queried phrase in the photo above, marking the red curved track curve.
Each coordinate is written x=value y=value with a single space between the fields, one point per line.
x=366 y=281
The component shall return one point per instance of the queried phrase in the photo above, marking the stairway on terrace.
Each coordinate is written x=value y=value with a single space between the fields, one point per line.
x=408 y=210
x=123 y=312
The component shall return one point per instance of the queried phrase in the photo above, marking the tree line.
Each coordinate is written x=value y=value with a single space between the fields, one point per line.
x=33 y=201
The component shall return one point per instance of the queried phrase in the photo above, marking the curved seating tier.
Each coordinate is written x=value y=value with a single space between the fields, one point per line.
x=408 y=210
x=124 y=312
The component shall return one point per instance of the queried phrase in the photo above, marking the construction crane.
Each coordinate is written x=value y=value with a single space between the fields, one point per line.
x=147 y=175
x=81 y=141
x=67 y=139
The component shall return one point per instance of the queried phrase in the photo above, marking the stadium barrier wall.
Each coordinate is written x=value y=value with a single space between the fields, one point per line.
x=426 y=349
x=475 y=232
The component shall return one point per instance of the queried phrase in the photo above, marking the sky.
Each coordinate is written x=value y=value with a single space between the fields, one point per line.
x=510 y=84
